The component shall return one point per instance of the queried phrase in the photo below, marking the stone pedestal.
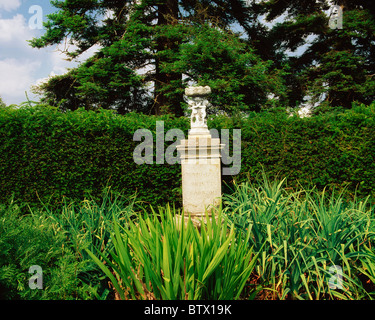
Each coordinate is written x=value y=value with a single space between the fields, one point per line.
x=201 y=172
x=200 y=159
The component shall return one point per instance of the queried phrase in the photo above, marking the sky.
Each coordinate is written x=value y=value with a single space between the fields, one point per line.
x=22 y=66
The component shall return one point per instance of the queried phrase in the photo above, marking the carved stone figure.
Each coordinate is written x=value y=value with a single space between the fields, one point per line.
x=198 y=105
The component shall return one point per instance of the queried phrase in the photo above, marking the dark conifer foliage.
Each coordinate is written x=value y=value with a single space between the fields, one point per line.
x=145 y=46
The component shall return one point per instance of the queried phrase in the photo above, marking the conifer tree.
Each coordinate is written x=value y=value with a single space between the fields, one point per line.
x=337 y=65
x=142 y=45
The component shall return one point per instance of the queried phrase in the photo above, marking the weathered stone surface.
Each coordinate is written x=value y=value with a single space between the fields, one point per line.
x=200 y=159
x=201 y=174
x=197 y=91
x=198 y=105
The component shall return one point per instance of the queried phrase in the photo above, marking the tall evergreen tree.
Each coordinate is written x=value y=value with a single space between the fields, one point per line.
x=338 y=65
x=140 y=41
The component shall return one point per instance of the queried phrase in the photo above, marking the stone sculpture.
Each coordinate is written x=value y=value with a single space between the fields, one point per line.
x=198 y=104
x=200 y=159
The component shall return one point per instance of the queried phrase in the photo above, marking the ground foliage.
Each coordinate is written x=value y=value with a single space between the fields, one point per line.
x=266 y=243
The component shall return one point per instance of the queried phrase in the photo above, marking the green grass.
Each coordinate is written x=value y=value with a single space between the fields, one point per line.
x=267 y=243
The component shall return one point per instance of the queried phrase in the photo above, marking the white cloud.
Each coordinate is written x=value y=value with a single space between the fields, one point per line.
x=22 y=66
x=59 y=63
x=16 y=78
x=9 y=5
x=14 y=31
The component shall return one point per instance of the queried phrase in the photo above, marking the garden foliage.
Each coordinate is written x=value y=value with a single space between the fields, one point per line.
x=266 y=243
x=310 y=245
x=33 y=240
x=47 y=155
x=55 y=240
x=160 y=257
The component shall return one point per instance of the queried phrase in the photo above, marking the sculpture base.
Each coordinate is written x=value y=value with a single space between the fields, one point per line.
x=199 y=132
x=201 y=173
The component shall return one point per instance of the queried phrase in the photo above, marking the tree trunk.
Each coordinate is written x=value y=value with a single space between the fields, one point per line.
x=166 y=101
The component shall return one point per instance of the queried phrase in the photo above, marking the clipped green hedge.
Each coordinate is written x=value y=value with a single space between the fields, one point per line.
x=45 y=154
x=335 y=150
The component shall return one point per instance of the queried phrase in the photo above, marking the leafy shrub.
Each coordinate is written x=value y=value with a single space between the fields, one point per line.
x=56 y=239
x=306 y=234
x=31 y=239
x=159 y=257
x=88 y=224
x=48 y=155
x=325 y=151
